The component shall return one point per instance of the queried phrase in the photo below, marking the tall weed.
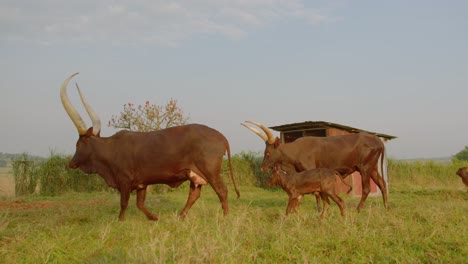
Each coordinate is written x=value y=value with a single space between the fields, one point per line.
x=424 y=173
x=25 y=174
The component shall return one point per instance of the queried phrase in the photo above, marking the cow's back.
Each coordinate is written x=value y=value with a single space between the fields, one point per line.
x=342 y=152
x=172 y=148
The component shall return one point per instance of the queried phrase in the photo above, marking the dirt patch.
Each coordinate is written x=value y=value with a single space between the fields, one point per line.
x=19 y=204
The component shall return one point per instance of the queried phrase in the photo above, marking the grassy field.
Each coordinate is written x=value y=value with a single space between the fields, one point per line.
x=426 y=224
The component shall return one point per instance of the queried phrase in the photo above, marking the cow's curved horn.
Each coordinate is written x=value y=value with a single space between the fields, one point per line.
x=267 y=137
x=71 y=111
x=94 y=117
x=258 y=132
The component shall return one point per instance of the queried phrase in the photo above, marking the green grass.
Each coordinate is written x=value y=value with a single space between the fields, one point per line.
x=424 y=225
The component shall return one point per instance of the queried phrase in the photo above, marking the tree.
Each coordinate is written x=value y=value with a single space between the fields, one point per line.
x=149 y=117
x=462 y=155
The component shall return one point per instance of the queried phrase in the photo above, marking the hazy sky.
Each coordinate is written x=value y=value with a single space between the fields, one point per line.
x=394 y=67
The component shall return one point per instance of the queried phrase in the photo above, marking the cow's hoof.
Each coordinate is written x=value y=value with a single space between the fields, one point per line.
x=153 y=217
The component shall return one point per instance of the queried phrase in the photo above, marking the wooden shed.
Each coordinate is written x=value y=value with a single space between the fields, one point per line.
x=290 y=132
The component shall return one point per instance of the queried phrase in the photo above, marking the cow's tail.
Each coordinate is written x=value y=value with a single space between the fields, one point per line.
x=343 y=181
x=383 y=172
x=228 y=150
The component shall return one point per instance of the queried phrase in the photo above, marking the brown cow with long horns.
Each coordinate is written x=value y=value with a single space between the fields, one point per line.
x=133 y=160
x=345 y=154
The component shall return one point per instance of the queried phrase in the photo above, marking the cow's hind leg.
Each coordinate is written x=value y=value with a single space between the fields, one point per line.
x=365 y=181
x=193 y=196
x=222 y=192
x=378 y=179
x=211 y=170
x=141 y=196
x=222 y=195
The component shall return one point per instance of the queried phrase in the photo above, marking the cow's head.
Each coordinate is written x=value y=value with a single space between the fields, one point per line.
x=272 y=154
x=84 y=147
x=275 y=176
x=462 y=172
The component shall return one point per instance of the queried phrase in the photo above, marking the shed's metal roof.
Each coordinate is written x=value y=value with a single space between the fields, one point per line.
x=323 y=124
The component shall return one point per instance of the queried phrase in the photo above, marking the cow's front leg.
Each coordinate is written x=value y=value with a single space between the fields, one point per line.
x=124 y=197
x=141 y=196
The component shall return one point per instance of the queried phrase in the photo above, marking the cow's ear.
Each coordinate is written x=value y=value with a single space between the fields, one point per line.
x=277 y=142
x=89 y=132
x=98 y=134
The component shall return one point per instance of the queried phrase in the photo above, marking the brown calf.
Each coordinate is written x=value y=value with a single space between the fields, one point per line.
x=296 y=185
x=463 y=173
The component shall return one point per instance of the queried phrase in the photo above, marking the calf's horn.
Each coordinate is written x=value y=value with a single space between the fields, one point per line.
x=94 y=117
x=267 y=136
x=71 y=111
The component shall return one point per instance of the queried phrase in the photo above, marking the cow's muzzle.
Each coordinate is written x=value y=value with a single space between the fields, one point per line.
x=72 y=165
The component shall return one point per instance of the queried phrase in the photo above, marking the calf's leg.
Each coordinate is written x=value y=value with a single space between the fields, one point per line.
x=296 y=203
x=326 y=204
x=339 y=202
x=317 y=199
x=292 y=204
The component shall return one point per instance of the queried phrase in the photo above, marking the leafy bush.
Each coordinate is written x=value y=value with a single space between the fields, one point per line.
x=56 y=178
x=462 y=155
x=52 y=177
x=246 y=166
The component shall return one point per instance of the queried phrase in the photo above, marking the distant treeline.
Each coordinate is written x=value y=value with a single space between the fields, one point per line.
x=7 y=158
x=52 y=176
